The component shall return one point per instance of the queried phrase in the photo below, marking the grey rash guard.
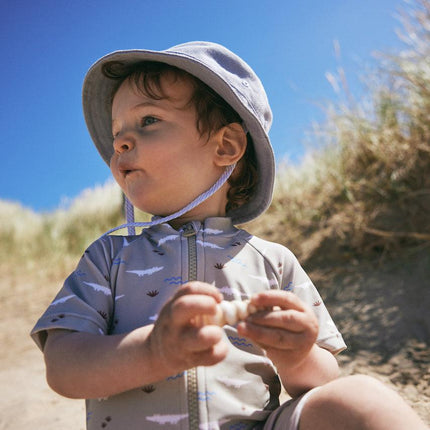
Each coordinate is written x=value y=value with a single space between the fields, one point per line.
x=122 y=282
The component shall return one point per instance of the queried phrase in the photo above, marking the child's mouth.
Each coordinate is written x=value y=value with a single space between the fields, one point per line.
x=126 y=169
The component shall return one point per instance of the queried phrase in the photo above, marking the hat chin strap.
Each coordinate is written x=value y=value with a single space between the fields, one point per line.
x=129 y=209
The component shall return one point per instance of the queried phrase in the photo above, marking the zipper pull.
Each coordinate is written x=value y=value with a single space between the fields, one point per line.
x=189 y=230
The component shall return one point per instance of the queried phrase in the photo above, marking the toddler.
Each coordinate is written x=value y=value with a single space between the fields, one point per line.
x=185 y=132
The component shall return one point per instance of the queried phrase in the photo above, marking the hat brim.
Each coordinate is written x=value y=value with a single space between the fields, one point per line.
x=97 y=96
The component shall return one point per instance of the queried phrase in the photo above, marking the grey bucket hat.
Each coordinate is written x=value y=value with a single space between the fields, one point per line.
x=217 y=67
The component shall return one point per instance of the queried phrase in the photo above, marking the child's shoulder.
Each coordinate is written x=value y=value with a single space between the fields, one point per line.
x=110 y=245
x=269 y=248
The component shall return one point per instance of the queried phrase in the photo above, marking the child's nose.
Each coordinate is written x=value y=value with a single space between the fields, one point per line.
x=123 y=143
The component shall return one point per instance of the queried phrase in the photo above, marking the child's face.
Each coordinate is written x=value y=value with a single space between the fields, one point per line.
x=160 y=159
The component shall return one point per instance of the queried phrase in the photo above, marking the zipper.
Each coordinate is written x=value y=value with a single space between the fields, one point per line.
x=190 y=233
x=193 y=402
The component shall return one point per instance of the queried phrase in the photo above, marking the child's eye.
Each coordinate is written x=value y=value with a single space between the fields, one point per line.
x=148 y=120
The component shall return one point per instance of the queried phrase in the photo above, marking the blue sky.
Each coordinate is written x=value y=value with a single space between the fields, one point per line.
x=48 y=45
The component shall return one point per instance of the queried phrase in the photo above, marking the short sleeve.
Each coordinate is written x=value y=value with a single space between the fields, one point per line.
x=296 y=280
x=84 y=303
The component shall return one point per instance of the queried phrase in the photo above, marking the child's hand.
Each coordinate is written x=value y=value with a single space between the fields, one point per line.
x=176 y=341
x=287 y=334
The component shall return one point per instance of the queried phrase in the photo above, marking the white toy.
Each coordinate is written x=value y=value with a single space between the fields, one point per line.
x=229 y=312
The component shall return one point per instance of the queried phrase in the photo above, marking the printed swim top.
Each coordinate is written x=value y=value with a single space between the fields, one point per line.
x=122 y=282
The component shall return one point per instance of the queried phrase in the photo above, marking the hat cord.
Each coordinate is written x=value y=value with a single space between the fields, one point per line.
x=129 y=209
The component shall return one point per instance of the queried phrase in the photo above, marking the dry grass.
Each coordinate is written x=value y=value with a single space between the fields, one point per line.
x=48 y=245
x=366 y=188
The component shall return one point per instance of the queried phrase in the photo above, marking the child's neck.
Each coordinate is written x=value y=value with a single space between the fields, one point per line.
x=214 y=206
x=179 y=222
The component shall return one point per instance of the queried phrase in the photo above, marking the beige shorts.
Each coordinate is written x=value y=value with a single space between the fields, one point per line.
x=287 y=416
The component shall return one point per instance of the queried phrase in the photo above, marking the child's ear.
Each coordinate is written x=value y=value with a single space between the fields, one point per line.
x=231 y=144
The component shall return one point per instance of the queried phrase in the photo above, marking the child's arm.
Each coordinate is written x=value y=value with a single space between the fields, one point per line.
x=288 y=336
x=83 y=365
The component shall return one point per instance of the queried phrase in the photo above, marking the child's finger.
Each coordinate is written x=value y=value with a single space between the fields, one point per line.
x=212 y=355
x=202 y=347
x=196 y=287
x=283 y=299
x=276 y=338
x=291 y=320
x=200 y=339
x=185 y=308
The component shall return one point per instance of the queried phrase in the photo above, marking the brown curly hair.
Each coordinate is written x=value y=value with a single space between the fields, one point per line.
x=213 y=113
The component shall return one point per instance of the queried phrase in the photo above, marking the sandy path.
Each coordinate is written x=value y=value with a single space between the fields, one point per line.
x=27 y=401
